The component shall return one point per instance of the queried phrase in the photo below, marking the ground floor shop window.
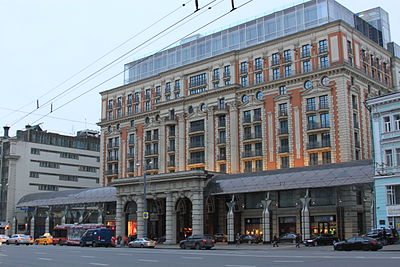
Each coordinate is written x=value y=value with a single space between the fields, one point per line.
x=287 y=225
x=325 y=224
x=252 y=226
x=394 y=222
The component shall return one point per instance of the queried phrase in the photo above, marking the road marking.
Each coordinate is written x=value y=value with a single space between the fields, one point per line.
x=83 y=256
x=232 y=265
x=3 y=255
x=288 y=261
x=76 y=251
x=193 y=258
x=148 y=260
x=41 y=253
x=44 y=259
x=124 y=254
x=98 y=264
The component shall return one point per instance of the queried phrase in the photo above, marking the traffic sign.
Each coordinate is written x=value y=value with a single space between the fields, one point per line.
x=146 y=215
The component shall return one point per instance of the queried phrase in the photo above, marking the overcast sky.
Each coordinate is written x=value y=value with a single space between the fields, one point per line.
x=45 y=45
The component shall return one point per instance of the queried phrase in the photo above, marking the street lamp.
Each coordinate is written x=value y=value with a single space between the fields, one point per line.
x=145 y=212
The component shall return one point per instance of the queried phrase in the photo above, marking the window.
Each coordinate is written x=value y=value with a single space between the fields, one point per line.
x=35 y=151
x=397 y=156
x=258 y=63
x=259 y=165
x=87 y=169
x=129 y=99
x=177 y=85
x=245 y=98
x=284 y=162
x=326 y=157
x=305 y=51
x=349 y=47
x=119 y=101
x=34 y=174
x=283 y=109
x=311 y=104
x=110 y=115
x=323 y=102
x=168 y=87
x=323 y=46
x=48 y=164
x=259 y=95
x=393 y=194
x=275 y=59
x=70 y=178
x=247 y=116
x=306 y=66
x=282 y=90
x=287 y=199
x=222 y=168
x=313 y=159
x=137 y=108
x=137 y=97
x=216 y=74
x=129 y=110
x=287 y=56
x=387 y=125
x=396 y=122
x=257 y=114
x=248 y=166
x=227 y=71
x=119 y=113
x=312 y=122
x=388 y=158
x=259 y=78
x=326 y=139
x=275 y=74
x=288 y=70
x=323 y=62
x=243 y=67
x=324 y=119
x=69 y=155
x=354 y=101
x=283 y=129
x=110 y=104
x=47 y=187
x=257 y=131
x=244 y=81
x=147 y=94
x=197 y=80
x=158 y=91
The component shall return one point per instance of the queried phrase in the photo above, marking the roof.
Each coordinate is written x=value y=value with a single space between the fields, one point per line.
x=329 y=175
x=79 y=196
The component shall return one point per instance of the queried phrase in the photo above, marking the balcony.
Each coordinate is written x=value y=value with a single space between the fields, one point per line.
x=251 y=154
x=247 y=119
x=197 y=84
x=131 y=141
x=150 y=167
x=131 y=155
x=112 y=145
x=356 y=124
x=151 y=152
x=357 y=144
x=221 y=140
x=171 y=164
x=251 y=136
x=196 y=161
x=170 y=120
x=155 y=137
x=282 y=131
x=305 y=53
x=112 y=172
x=311 y=107
x=287 y=59
x=316 y=145
x=283 y=113
x=275 y=62
x=198 y=128
x=258 y=67
x=171 y=149
x=283 y=149
x=171 y=133
x=177 y=88
x=257 y=118
x=227 y=75
x=158 y=94
x=215 y=77
x=196 y=145
x=147 y=138
x=131 y=169
x=221 y=124
x=147 y=96
x=220 y=109
x=112 y=158
x=221 y=157
x=244 y=71
x=323 y=105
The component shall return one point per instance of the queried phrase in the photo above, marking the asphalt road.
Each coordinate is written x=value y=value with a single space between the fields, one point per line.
x=39 y=256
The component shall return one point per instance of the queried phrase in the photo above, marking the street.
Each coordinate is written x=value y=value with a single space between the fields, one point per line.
x=244 y=256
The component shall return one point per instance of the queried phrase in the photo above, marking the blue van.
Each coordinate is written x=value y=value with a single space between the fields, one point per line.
x=97 y=237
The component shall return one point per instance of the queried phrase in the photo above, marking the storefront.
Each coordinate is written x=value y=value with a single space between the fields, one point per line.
x=252 y=226
x=287 y=225
x=324 y=224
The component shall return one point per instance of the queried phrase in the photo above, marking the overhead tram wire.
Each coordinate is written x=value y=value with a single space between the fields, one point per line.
x=97 y=60
x=107 y=80
x=112 y=62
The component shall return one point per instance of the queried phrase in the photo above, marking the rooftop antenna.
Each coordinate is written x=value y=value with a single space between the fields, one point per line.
x=233 y=5
x=197 y=5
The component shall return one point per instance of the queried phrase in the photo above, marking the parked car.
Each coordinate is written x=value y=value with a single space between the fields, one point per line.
x=97 y=237
x=142 y=243
x=288 y=238
x=251 y=239
x=358 y=243
x=392 y=236
x=44 y=240
x=220 y=237
x=197 y=242
x=3 y=239
x=20 y=239
x=322 y=239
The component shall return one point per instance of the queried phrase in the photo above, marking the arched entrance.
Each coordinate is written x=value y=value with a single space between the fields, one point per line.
x=183 y=210
x=130 y=219
x=156 y=223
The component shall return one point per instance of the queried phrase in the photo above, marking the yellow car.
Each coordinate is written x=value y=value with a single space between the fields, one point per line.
x=44 y=240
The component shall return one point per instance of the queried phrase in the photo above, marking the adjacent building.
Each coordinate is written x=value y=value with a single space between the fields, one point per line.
x=36 y=161
x=277 y=93
x=385 y=111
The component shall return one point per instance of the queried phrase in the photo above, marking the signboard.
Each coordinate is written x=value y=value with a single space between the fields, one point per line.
x=146 y=215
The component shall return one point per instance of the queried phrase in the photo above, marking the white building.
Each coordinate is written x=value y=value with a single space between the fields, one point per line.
x=36 y=161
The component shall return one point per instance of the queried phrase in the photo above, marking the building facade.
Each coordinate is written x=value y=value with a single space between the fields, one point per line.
x=36 y=161
x=385 y=111
x=280 y=92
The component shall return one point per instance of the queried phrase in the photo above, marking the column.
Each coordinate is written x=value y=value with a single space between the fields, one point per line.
x=118 y=217
x=100 y=216
x=32 y=231
x=140 y=220
x=305 y=216
x=230 y=222
x=162 y=144
x=266 y=224
x=47 y=222
x=210 y=139
x=180 y=140
x=234 y=138
x=198 y=213
x=170 y=220
x=64 y=216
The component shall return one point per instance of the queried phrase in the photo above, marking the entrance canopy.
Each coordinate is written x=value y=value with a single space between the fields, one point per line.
x=329 y=175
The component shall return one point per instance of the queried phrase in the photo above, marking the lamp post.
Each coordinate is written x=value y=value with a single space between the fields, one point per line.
x=145 y=212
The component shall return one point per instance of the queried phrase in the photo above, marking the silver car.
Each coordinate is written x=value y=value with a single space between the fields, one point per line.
x=3 y=239
x=20 y=239
x=142 y=243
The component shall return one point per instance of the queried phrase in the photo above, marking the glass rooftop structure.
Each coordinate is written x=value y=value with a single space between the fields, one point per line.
x=295 y=19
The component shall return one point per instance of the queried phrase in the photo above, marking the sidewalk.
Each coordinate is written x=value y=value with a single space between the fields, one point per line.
x=225 y=246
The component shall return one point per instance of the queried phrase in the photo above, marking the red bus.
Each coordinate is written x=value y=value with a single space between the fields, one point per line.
x=70 y=234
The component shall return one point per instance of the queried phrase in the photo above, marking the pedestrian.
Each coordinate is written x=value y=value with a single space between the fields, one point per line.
x=298 y=240
x=119 y=238
x=237 y=239
x=275 y=241
x=384 y=236
x=124 y=241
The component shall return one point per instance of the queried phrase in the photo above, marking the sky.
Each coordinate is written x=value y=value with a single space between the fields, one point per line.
x=59 y=55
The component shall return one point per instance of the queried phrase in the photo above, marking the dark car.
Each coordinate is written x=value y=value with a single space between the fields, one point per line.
x=392 y=236
x=288 y=238
x=197 y=242
x=323 y=239
x=97 y=237
x=220 y=237
x=358 y=243
x=251 y=239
